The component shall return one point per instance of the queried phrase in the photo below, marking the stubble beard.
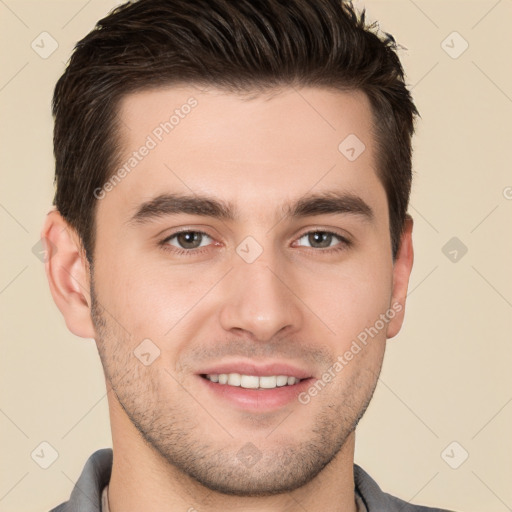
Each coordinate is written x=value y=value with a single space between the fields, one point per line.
x=166 y=421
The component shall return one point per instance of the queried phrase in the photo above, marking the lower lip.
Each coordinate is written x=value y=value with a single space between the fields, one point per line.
x=257 y=399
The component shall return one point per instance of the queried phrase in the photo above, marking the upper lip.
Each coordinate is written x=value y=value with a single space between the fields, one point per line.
x=258 y=369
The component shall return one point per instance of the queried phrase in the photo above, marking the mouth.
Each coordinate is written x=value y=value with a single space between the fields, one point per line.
x=252 y=381
x=255 y=388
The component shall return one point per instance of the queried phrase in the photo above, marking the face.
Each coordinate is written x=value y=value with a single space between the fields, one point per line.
x=243 y=245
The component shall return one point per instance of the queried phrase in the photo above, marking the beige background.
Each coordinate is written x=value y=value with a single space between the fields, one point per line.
x=447 y=375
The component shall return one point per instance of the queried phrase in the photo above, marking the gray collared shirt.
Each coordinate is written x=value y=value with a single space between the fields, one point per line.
x=87 y=493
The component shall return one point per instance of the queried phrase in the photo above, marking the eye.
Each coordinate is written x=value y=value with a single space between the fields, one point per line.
x=190 y=242
x=322 y=240
x=187 y=240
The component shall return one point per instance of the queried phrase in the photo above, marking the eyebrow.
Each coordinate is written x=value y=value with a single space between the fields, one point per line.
x=309 y=205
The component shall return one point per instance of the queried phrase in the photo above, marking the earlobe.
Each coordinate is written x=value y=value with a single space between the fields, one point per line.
x=401 y=272
x=67 y=271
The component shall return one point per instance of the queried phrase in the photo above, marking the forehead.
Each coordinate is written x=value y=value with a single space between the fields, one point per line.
x=307 y=120
x=254 y=149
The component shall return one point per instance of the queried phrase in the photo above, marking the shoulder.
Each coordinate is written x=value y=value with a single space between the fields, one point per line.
x=87 y=490
x=378 y=501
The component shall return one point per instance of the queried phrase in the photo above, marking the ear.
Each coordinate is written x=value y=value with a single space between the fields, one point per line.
x=67 y=270
x=401 y=273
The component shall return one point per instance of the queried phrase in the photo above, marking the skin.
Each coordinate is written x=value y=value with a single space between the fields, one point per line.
x=175 y=443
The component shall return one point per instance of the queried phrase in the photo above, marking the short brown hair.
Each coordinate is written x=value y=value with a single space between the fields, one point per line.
x=235 y=45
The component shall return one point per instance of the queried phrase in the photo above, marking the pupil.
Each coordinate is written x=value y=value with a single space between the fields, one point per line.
x=188 y=238
x=321 y=237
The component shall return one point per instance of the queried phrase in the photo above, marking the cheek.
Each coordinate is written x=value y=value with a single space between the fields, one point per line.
x=149 y=300
x=352 y=300
x=152 y=301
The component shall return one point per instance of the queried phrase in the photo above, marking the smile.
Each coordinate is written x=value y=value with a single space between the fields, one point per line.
x=252 y=381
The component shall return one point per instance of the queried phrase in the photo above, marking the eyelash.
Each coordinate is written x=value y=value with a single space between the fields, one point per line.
x=345 y=243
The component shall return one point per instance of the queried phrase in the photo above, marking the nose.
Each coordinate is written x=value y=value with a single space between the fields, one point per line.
x=259 y=299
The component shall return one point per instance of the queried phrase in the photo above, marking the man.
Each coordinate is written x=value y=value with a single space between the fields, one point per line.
x=231 y=228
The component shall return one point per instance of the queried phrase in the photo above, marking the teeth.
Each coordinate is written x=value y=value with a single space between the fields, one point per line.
x=253 y=381
x=267 y=382
x=249 y=382
x=282 y=380
x=234 y=379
